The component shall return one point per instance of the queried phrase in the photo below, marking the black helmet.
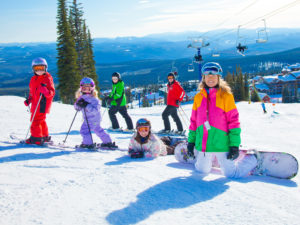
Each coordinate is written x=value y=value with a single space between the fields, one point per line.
x=116 y=74
x=143 y=122
x=171 y=74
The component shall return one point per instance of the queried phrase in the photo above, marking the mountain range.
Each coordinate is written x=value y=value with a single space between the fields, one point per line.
x=141 y=60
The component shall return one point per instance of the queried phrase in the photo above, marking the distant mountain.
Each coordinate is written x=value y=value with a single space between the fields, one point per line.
x=143 y=59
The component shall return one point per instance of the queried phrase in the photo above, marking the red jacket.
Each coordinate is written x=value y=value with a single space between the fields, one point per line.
x=175 y=92
x=34 y=92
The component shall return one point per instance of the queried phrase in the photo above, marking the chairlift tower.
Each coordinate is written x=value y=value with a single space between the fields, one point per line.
x=198 y=43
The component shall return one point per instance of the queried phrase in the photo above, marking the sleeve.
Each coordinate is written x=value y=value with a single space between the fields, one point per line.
x=181 y=92
x=50 y=87
x=193 y=124
x=156 y=147
x=232 y=116
x=131 y=145
x=94 y=106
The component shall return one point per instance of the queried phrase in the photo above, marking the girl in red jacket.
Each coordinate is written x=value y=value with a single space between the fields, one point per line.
x=175 y=96
x=41 y=93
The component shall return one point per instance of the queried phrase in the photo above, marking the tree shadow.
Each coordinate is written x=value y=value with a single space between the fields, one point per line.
x=176 y=193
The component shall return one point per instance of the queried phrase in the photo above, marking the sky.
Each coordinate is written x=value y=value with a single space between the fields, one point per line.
x=35 y=20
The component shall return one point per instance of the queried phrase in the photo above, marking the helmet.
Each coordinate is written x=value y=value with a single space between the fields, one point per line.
x=87 y=80
x=39 y=62
x=171 y=74
x=143 y=122
x=212 y=68
x=116 y=74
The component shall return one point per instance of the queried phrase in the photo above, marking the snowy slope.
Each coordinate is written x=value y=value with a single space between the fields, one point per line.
x=62 y=186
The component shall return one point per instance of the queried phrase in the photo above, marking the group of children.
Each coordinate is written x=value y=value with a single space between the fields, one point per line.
x=214 y=131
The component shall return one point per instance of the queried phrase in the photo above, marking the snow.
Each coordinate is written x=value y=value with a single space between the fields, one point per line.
x=40 y=185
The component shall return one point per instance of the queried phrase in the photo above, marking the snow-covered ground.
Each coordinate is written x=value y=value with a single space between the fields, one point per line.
x=40 y=185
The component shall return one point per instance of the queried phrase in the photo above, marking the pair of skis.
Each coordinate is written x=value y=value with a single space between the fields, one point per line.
x=95 y=147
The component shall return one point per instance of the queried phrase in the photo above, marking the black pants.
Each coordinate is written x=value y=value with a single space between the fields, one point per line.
x=123 y=111
x=171 y=110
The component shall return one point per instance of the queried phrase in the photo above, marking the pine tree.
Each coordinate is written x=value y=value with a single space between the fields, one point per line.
x=254 y=96
x=67 y=69
x=76 y=23
x=246 y=87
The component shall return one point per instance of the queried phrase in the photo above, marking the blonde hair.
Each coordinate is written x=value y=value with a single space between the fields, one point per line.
x=222 y=85
x=79 y=93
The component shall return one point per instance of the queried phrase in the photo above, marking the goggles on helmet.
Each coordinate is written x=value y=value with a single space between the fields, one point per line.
x=211 y=71
x=39 y=68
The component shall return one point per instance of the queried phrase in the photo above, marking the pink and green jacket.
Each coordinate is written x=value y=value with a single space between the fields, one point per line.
x=221 y=112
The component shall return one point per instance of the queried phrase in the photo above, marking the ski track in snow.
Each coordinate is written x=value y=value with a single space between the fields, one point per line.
x=41 y=185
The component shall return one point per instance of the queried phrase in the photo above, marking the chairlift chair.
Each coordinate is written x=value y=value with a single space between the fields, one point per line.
x=262 y=34
x=191 y=67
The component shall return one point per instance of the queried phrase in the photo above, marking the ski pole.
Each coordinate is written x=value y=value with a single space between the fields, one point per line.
x=184 y=113
x=34 y=115
x=70 y=127
x=104 y=110
x=88 y=125
x=180 y=114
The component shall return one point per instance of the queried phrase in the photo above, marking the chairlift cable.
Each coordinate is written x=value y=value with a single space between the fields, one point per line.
x=268 y=15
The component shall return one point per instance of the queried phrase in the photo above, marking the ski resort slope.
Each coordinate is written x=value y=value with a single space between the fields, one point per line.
x=46 y=185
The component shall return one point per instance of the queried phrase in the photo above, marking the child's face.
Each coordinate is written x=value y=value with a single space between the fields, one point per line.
x=115 y=79
x=211 y=80
x=87 y=88
x=144 y=131
x=39 y=70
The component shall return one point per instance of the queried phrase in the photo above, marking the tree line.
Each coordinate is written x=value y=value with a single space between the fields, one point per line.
x=75 y=57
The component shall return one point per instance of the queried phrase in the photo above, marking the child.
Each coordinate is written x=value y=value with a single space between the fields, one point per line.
x=175 y=96
x=144 y=143
x=117 y=102
x=41 y=93
x=88 y=102
x=215 y=127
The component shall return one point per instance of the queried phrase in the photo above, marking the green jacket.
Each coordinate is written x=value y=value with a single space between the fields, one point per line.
x=118 y=94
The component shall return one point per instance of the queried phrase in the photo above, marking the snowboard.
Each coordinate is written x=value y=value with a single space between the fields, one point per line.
x=172 y=133
x=274 y=164
x=120 y=130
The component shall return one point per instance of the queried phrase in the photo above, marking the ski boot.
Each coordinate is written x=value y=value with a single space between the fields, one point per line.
x=47 y=140
x=91 y=146
x=109 y=145
x=34 y=141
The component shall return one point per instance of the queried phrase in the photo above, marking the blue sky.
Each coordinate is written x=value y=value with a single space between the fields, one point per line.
x=35 y=20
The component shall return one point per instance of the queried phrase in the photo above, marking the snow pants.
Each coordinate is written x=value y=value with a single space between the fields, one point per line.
x=231 y=169
x=99 y=131
x=171 y=110
x=123 y=111
x=39 y=126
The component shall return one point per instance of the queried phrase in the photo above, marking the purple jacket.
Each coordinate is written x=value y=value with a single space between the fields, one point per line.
x=92 y=109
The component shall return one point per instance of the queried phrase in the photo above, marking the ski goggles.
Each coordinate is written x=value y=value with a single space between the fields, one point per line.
x=143 y=129
x=211 y=71
x=39 y=68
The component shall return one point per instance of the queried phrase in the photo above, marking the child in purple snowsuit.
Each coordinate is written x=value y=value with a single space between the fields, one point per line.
x=88 y=102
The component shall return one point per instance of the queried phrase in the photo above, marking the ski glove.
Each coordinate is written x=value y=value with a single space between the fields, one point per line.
x=27 y=102
x=44 y=90
x=82 y=103
x=136 y=154
x=233 y=153
x=190 y=148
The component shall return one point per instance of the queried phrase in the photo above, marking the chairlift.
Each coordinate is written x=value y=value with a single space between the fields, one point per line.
x=215 y=53
x=191 y=67
x=241 y=43
x=262 y=34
